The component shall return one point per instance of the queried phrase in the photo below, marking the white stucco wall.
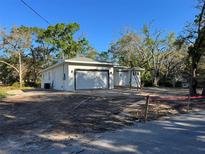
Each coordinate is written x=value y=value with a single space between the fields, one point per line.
x=73 y=67
x=55 y=76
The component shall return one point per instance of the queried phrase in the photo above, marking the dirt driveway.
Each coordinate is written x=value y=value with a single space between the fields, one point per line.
x=36 y=120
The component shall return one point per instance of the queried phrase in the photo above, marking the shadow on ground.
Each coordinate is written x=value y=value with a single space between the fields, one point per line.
x=39 y=120
x=58 y=122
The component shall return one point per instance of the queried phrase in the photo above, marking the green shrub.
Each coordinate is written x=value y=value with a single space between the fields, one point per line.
x=2 y=95
x=178 y=84
x=33 y=84
x=147 y=83
x=165 y=83
x=16 y=85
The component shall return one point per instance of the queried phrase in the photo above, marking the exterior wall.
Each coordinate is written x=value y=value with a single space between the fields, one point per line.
x=57 y=77
x=62 y=77
x=73 y=67
x=122 y=78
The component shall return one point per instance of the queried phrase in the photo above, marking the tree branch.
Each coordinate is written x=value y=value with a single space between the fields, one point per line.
x=1 y=61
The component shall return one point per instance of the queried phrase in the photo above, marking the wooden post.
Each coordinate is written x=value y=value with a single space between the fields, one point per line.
x=188 y=102
x=146 y=108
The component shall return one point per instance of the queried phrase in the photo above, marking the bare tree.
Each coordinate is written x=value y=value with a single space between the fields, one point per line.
x=15 y=44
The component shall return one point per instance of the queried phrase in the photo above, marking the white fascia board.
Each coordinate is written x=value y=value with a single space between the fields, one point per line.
x=88 y=62
x=119 y=67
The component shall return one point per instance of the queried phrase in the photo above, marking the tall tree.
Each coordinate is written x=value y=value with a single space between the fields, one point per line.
x=195 y=38
x=15 y=44
x=147 y=50
x=90 y=53
x=174 y=58
x=61 y=37
x=155 y=46
x=103 y=56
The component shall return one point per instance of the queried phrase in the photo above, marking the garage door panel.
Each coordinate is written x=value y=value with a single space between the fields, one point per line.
x=123 y=78
x=90 y=79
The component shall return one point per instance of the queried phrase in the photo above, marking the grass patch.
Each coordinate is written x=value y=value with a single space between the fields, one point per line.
x=2 y=95
x=5 y=89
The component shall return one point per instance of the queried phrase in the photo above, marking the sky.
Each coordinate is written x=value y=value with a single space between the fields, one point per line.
x=101 y=21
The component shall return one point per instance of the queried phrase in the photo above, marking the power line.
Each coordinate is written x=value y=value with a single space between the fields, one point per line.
x=35 y=11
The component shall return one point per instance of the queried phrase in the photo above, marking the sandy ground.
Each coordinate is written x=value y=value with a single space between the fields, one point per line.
x=34 y=121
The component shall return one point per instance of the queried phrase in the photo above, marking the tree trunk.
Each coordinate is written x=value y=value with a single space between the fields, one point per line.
x=193 y=83
x=20 y=71
x=174 y=83
x=203 y=91
x=156 y=78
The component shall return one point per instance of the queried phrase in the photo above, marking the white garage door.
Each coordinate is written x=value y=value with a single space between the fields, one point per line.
x=91 y=79
x=124 y=78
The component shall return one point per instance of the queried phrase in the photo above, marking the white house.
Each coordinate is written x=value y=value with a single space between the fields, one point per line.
x=84 y=73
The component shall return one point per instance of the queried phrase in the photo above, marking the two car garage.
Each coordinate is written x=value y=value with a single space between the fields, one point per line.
x=84 y=73
x=78 y=74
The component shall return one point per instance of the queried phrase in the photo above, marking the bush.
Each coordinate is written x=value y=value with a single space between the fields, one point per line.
x=147 y=83
x=33 y=84
x=16 y=85
x=165 y=83
x=2 y=95
x=178 y=84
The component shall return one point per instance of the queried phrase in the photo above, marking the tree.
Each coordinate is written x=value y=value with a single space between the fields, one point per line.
x=39 y=56
x=15 y=44
x=94 y=54
x=147 y=50
x=103 y=56
x=27 y=50
x=195 y=38
x=90 y=52
x=124 y=49
x=61 y=37
x=8 y=74
x=174 y=59
x=155 y=46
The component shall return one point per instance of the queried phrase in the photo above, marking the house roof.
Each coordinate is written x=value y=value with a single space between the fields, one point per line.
x=80 y=60
x=85 y=60
x=89 y=61
x=128 y=68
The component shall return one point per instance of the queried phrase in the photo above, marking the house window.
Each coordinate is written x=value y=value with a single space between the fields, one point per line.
x=64 y=77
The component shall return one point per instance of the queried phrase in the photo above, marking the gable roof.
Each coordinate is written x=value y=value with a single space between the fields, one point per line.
x=80 y=60
x=85 y=60
x=128 y=68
